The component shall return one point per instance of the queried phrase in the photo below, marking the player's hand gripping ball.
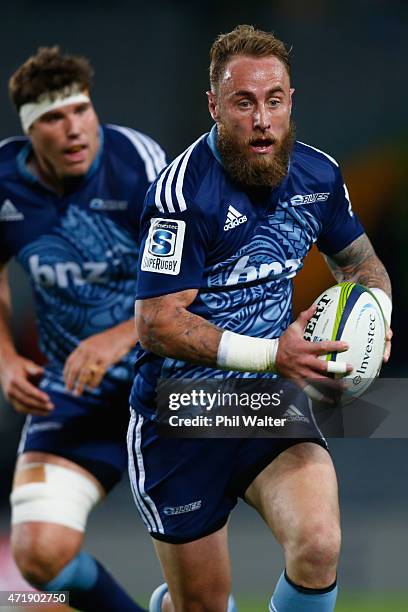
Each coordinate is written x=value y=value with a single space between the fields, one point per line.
x=351 y=313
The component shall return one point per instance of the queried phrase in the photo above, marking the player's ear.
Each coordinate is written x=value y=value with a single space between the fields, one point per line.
x=212 y=104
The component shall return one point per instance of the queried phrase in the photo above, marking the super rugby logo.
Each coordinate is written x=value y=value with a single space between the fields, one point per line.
x=164 y=246
x=163 y=239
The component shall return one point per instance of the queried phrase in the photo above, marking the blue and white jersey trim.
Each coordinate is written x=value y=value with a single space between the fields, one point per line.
x=320 y=151
x=137 y=475
x=272 y=606
x=24 y=433
x=7 y=141
x=171 y=188
x=150 y=152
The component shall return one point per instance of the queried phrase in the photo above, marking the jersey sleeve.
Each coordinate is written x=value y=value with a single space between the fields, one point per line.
x=136 y=160
x=173 y=251
x=340 y=224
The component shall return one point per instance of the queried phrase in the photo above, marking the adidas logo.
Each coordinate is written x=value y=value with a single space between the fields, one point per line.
x=8 y=212
x=294 y=414
x=234 y=218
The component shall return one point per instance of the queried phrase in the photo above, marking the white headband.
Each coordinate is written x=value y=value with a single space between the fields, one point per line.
x=31 y=111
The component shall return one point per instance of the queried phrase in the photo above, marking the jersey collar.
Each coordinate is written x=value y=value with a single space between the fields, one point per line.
x=212 y=143
x=25 y=172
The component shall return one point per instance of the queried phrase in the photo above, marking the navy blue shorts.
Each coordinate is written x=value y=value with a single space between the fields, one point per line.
x=185 y=488
x=90 y=431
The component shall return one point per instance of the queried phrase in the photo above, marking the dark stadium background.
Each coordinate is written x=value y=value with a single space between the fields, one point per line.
x=349 y=70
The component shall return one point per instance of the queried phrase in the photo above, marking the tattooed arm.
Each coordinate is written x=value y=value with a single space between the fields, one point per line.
x=358 y=263
x=167 y=328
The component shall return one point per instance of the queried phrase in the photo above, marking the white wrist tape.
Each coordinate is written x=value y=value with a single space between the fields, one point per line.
x=48 y=101
x=65 y=497
x=385 y=303
x=246 y=354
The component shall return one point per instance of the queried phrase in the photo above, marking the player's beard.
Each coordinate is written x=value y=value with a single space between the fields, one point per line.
x=255 y=170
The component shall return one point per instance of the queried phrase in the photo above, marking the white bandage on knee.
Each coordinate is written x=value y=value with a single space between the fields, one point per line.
x=246 y=354
x=65 y=497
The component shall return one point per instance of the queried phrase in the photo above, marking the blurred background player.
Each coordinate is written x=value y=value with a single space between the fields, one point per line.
x=71 y=193
x=225 y=229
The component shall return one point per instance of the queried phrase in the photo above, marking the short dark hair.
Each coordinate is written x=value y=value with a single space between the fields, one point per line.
x=244 y=40
x=48 y=71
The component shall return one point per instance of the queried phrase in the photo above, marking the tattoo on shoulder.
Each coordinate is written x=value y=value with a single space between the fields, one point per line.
x=355 y=253
x=359 y=263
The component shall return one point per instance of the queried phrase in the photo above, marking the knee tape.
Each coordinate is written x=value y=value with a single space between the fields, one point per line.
x=59 y=495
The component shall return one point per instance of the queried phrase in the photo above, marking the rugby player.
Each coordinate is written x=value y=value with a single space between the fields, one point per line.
x=71 y=195
x=224 y=230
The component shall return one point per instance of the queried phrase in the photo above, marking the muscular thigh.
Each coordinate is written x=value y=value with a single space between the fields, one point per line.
x=298 y=487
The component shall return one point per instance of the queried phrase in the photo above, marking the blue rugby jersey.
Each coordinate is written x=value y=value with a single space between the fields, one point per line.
x=199 y=230
x=80 y=250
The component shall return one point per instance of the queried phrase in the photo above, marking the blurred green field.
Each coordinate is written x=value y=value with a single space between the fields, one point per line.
x=345 y=603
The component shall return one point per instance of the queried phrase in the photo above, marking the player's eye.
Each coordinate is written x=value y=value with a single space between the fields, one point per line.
x=274 y=102
x=80 y=110
x=244 y=104
x=51 y=117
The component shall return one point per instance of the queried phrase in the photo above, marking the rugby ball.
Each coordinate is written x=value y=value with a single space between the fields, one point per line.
x=351 y=313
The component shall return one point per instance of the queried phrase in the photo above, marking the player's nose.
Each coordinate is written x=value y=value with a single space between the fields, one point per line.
x=261 y=118
x=73 y=125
